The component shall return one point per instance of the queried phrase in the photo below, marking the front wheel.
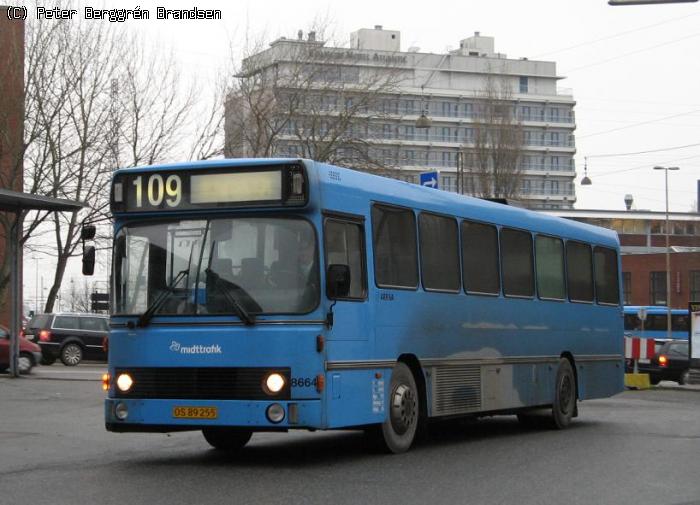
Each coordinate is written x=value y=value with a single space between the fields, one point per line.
x=564 y=405
x=71 y=354
x=399 y=429
x=25 y=363
x=227 y=439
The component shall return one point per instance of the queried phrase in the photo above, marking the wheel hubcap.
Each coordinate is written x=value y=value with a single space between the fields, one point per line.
x=403 y=409
x=72 y=355
x=565 y=390
x=24 y=364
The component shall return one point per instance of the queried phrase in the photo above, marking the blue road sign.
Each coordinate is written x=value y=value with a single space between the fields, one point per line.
x=429 y=179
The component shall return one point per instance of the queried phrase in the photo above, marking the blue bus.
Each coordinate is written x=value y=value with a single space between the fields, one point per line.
x=274 y=294
x=655 y=324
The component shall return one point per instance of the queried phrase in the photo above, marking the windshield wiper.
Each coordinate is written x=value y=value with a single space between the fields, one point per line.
x=223 y=286
x=146 y=317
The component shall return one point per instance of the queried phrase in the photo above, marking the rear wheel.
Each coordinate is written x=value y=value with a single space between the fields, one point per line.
x=227 y=439
x=25 y=363
x=684 y=378
x=399 y=429
x=564 y=405
x=71 y=354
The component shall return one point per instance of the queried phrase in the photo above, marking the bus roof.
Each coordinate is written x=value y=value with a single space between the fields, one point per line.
x=393 y=191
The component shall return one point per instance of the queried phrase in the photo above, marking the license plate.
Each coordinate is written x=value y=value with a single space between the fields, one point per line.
x=195 y=412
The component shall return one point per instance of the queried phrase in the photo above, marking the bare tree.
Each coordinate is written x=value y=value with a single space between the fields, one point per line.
x=494 y=158
x=97 y=102
x=297 y=99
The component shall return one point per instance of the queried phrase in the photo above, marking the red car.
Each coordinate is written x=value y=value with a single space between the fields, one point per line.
x=29 y=352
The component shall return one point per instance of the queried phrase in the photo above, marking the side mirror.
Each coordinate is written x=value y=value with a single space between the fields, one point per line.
x=88 y=232
x=89 y=260
x=337 y=281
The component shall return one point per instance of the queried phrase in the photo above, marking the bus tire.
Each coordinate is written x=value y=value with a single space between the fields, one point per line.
x=400 y=427
x=564 y=404
x=227 y=439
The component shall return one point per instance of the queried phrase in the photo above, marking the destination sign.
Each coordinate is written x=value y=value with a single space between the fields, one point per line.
x=191 y=189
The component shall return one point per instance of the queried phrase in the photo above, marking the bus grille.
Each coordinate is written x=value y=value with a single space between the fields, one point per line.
x=456 y=389
x=208 y=383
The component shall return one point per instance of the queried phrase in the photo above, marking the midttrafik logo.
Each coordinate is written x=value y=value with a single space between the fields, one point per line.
x=195 y=349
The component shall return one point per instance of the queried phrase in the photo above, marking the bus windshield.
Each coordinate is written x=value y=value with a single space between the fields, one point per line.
x=239 y=266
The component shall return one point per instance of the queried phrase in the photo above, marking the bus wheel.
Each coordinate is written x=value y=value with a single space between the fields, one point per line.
x=399 y=429
x=564 y=395
x=227 y=439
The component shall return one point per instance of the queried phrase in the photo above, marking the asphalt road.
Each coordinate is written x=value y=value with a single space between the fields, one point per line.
x=641 y=447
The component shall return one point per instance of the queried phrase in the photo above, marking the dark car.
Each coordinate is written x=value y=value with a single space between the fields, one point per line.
x=69 y=337
x=671 y=362
x=29 y=352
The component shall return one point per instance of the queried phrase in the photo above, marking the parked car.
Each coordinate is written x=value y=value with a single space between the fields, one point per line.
x=29 y=352
x=671 y=362
x=70 y=337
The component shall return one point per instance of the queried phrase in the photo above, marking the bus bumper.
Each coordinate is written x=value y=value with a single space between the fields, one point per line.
x=160 y=415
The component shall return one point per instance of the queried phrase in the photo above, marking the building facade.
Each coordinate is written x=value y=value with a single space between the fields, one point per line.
x=11 y=135
x=449 y=89
x=643 y=246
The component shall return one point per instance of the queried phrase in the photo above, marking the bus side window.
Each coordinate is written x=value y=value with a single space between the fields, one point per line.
x=632 y=322
x=679 y=322
x=480 y=273
x=439 y=252
x=345 y=246
x=395 y=248
x=579 y=271
x=549 y=258
x=606 y=279
x=516 y=263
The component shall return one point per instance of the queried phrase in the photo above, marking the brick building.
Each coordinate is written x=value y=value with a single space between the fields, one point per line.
x=11 y=132
x=643 y=246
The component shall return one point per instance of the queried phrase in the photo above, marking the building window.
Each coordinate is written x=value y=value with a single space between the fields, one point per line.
x=627 y=288
x=695 y=285
x=525 y=113
x=657 y=288
x=523 y=84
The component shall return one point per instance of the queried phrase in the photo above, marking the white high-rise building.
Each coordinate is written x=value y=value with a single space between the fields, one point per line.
x=448 y=89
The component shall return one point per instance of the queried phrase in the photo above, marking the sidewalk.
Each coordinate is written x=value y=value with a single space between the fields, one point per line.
x=675 y=385
x=58 y=371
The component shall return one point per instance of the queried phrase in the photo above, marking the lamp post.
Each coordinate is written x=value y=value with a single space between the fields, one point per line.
x=668 y=256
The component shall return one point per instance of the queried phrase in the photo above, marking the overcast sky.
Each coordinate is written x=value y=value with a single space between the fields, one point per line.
x=634 y=71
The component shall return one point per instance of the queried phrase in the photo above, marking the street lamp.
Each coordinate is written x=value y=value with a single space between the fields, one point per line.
x=668 y=257
x=586 y=181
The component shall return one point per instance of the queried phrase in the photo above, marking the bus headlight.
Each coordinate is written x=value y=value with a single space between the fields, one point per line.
x=124 y=382
x=274 y=383
x=121 y=411
x=275 y=413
